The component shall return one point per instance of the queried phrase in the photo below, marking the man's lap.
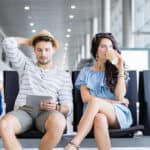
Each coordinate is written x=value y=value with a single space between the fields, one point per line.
x=24 y=118
x=29 y=117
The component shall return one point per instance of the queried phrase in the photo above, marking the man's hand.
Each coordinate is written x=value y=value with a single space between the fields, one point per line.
x=48 y=104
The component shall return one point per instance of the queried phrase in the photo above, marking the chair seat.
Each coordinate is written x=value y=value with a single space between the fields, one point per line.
x=129 y=132
x=31 y=134
x=121 y=133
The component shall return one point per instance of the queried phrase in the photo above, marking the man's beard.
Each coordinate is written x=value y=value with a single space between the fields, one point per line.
x=44 y=63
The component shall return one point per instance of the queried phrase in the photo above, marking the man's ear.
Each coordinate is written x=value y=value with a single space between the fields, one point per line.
x=34 y=48
x=54 y=51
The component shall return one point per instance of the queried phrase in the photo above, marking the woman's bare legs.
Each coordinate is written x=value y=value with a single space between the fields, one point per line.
x=94 y=106
x=101 y=132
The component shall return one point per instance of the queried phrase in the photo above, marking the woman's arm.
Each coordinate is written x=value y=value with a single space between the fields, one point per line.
x=120 y=89
x=86 y=96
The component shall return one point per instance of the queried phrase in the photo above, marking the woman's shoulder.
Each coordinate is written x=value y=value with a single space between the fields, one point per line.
x=89 y=68
x=89 y=72
x=84 y=69
x=94 y=70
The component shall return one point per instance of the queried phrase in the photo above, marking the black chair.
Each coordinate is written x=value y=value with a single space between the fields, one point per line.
x=144 y=99
x=132 y=95
x=11 y=88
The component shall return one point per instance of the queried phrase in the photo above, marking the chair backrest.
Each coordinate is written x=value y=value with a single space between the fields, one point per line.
x=11 y=88
x=144 y=99
x=1 y=103
x=131 y=94
x=77 y=102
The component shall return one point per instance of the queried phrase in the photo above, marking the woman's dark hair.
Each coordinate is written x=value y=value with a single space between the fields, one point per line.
x=42 y=38
x=110 y=70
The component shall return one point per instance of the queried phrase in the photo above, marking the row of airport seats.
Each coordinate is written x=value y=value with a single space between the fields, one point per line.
x=11 y=88
x=144 y=99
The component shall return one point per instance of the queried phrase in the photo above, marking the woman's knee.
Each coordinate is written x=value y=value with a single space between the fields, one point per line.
x=56 y=120
x=100 y=121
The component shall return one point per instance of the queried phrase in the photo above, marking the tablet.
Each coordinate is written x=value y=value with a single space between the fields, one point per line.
x=35 y=100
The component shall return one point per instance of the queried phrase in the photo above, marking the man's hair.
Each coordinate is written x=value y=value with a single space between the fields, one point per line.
x=43 y=38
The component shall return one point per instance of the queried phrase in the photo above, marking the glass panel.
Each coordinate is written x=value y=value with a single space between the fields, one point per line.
x=136 y=60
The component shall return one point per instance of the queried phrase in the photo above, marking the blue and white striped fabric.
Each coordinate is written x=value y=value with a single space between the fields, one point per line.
x=37 y=81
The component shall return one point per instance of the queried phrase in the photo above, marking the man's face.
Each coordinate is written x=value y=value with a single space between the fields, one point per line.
x=44 y=52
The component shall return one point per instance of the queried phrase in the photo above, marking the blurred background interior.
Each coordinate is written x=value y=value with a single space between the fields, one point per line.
x=74 y=22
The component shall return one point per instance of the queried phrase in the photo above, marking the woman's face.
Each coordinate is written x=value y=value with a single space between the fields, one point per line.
x=104 y=45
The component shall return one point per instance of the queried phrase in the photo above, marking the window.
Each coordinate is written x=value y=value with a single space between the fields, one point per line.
x=136 y=59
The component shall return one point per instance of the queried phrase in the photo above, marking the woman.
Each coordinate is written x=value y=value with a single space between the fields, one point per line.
x=103 y=87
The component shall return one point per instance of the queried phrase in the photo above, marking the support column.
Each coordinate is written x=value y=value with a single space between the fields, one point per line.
x=106 y=15
x=128 y=37
x=87 y=44
x=94 y=26
x=82 y=51
x=79 y=57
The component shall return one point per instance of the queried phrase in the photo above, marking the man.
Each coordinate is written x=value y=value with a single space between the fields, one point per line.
x=41 y=78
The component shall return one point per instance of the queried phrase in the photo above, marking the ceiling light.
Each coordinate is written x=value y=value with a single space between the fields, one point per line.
x=66 y=44
x=65 y=48
x=26 y=7
x=68 y=35
x=73 y=6
x=71 y=16
x=33 y=31
x=68 y=30
x=64 y=58
x=31 y=24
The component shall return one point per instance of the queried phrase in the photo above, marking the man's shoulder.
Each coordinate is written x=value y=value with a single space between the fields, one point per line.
x=29 y=66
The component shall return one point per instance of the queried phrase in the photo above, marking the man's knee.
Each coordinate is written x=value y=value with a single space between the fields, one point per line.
x=56 y=121
x=5 y=125
x=100 y=121
x=8 y=123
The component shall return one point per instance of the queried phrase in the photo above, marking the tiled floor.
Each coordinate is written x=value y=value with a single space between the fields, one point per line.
x=119 y=148
x=136 y=143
